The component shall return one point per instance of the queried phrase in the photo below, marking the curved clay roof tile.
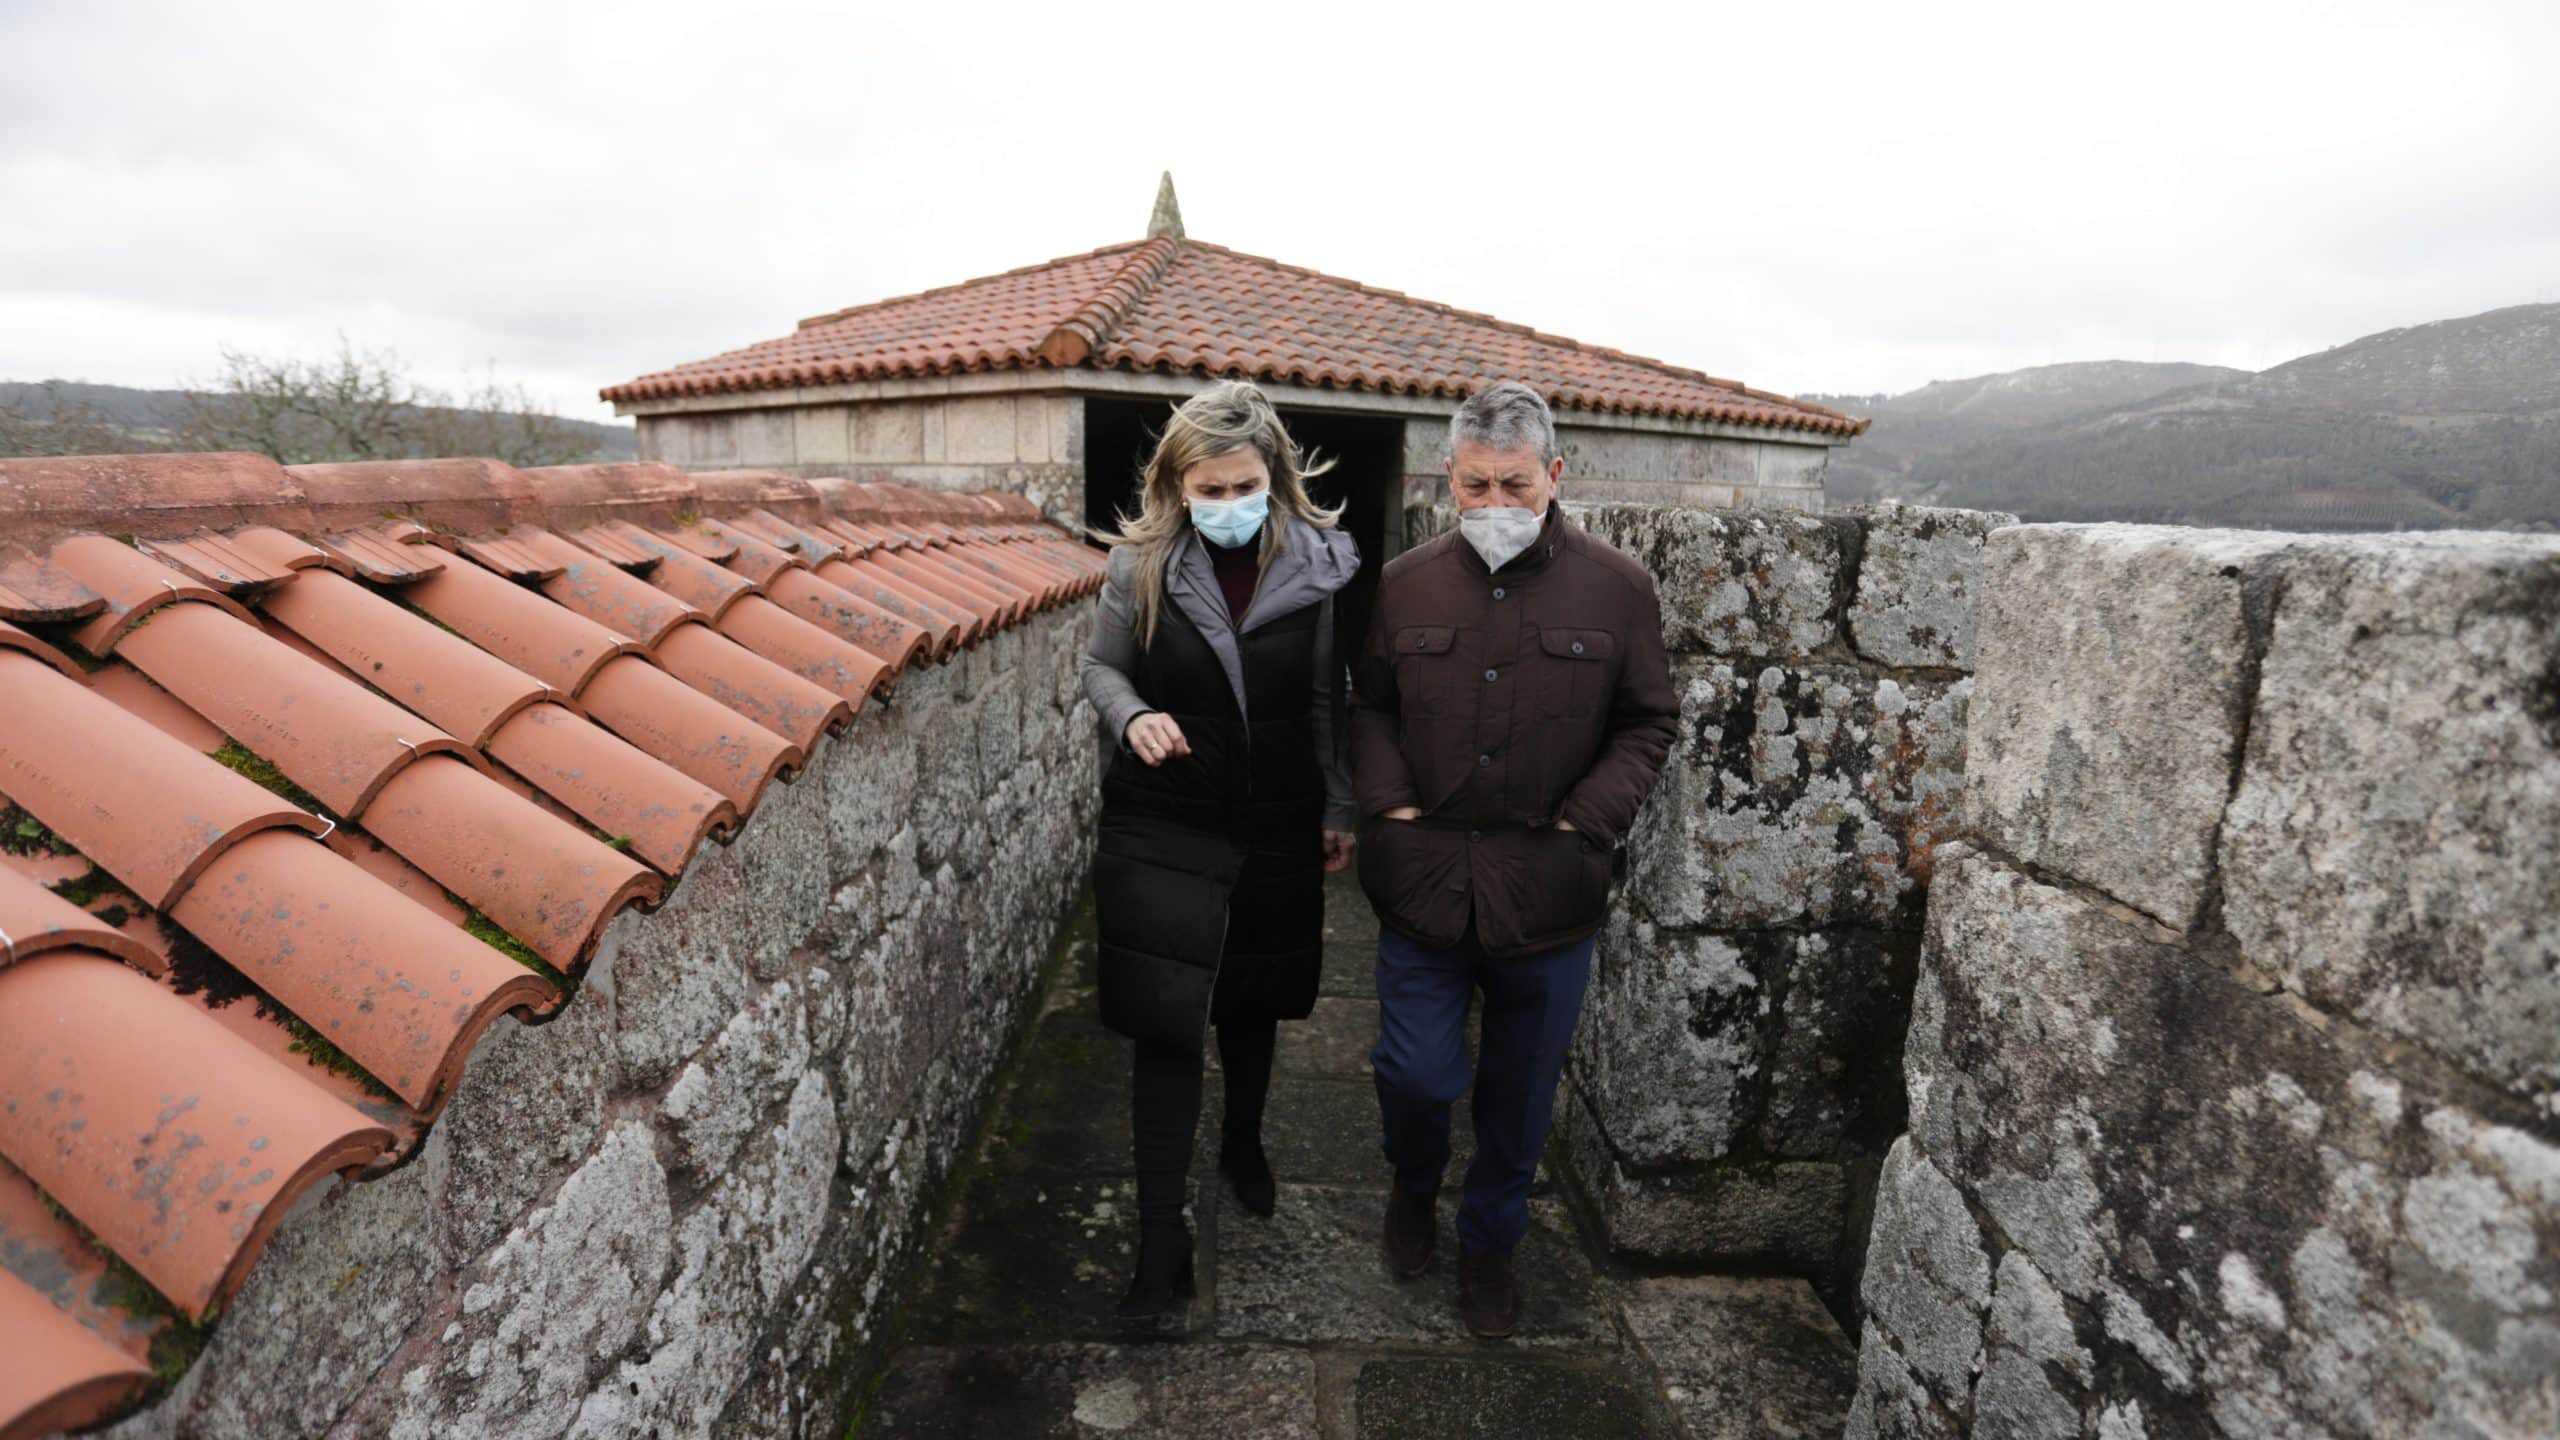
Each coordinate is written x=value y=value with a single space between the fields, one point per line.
x=217 y=562
x=396 y=987
x=149 y=810
x=13 y=638
x=58 y=1375
x=560 y=649
x=915 y=567
x=35 y=592
x=592 y=585
x=134 y=586
x=175 y=1143
x=613 y=786
x=964 y=575
x=541 y=880
x=381 y=556
x=783 y=534
x=605 y=540
x=822 y=659
x=757 y=688
x=691 y=732
x=946 y=627
x=508 y=557
x=462 y=688
x=850 y=618
x=327 y=734
x=693 y=576
x=34 y=920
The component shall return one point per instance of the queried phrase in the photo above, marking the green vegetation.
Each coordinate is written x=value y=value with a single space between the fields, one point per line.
x=241 y=759
x=21 y=833
x=313 y=1046
x=85 y=890
x=490 y=933
x=177 y=1342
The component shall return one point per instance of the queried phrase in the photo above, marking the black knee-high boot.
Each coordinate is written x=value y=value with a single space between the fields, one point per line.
x=1164 y=1118
x=1244 y=1058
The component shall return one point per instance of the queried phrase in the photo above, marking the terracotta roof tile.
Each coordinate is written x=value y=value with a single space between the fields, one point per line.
x=1184 y=306
x=691 y=731
x=791 y=706
x=34 y=920
x=378 y=555
x=592 y=584
x=32 y=591
x=511 y=558
x=555 y=646
x=495 y=755
x=151 y=811
x=463 y=689
x=613 y=786
x=13 y=638
x=44 y=1250
x=329 y=735
x=134 y=586
x=174 y=1144
x=542 y=881
x=217 y=562
x=65 y=1378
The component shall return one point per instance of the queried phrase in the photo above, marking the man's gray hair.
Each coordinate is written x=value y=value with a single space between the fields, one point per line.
x=1505 y=416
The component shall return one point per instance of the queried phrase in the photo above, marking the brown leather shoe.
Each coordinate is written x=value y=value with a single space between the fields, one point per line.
x=1412 y=1229
x=1488 y=1295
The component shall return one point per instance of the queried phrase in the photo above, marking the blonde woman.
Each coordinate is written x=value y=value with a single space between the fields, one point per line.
x=1224 y=793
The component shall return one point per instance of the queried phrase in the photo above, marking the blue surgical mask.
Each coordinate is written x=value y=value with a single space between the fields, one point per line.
x=1230 y=523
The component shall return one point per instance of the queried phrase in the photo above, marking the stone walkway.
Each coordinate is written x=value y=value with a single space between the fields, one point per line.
x=1298 y=1330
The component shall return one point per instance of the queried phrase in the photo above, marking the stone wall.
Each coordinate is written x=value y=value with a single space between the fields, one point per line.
x=1030 y=443
x=683 y=1206
x=2235 y=1063
x=1737 y=1076
x=1715 y=472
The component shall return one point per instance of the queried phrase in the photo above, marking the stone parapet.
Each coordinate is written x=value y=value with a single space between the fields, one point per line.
x=684 y=1206
x=2231 y=1070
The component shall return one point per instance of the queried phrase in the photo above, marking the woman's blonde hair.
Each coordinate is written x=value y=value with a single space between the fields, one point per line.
x=1226 y=417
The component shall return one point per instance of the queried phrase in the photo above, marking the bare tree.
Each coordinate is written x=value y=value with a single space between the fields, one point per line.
x=354 y=406
x=40 y=420
x=363 y=405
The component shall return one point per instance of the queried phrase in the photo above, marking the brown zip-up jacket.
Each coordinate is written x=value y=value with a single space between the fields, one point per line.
x=1499 y=702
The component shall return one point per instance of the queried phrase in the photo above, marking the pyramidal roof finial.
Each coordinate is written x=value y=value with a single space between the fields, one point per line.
x=1167 y=219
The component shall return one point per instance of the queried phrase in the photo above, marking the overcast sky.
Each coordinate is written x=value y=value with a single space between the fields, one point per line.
x=1837 y=198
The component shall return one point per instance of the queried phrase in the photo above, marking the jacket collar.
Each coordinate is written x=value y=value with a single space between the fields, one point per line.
x=1552 y=534
x=1315 y=564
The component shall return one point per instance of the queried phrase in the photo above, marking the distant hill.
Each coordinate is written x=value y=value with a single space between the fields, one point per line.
x=2452 y=424
x=152 y=418
x=1946 y=415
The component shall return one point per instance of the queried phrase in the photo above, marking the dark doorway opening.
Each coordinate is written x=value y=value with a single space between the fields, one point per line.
x=1366 y=480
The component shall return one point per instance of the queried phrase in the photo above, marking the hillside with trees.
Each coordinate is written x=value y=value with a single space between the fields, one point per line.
x=2454 y=424
x=354 y=405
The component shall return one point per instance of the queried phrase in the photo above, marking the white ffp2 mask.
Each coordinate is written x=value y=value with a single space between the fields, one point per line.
x=1500 y=532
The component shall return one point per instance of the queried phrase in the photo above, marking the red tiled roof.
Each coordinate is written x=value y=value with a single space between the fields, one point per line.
x=323 y=738
x=1180 y=306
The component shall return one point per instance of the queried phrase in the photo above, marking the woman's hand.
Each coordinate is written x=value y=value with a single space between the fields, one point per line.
x=1154 y=738
x=1338 y=846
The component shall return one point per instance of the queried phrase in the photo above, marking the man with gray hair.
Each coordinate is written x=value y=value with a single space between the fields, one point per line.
x=1511 y=710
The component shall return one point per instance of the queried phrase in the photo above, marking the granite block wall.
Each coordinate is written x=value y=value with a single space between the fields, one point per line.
x=685 y=1205
x=2234 y=1066
x=1647 y=467
x=1030 y=443
x=1737 y=1076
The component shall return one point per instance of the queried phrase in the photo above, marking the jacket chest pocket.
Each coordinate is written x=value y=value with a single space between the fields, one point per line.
x=1576 y=670
x=1426 y=668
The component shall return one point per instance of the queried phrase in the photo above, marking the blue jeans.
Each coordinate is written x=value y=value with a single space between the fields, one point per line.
x=1420 y=1061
